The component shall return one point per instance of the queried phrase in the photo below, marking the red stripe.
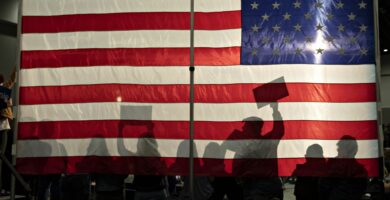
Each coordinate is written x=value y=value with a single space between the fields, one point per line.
x=332 y=130
x=298 y=92
x=130 y=57
x=173 y=166
x=131 y=21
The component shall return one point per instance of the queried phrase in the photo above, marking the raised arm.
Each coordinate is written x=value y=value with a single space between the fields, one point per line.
x=277 y=131
x=11 y=82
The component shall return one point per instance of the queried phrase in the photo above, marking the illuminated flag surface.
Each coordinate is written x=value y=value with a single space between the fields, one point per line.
x=104 y=86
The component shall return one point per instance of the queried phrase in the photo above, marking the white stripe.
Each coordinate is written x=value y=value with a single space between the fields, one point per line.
x=179 y=148
x=203 y=111
x=297 y=73
x=66 y=7
x=130 y=39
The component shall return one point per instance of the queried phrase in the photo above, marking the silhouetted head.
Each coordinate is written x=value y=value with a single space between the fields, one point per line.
x=147 y=144
x=252 y=125
x=183 y=151
x=1 y=78
x=213 y=150
x=314 y=151
x=347 y=147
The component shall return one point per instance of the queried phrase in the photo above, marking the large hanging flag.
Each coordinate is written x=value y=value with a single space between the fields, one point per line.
x=280 y=87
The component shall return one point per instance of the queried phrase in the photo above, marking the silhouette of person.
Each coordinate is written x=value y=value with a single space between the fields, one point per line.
x=262 y=147
x=347 y=179
x=222 y=185
x=201 y=184
x=49 y=179
x=109 y=186
x=306 y=185
x=47 y=175
x=148 y=181
x=151 y=185
x=75 y=186
x=49 y=163
x=44 y=180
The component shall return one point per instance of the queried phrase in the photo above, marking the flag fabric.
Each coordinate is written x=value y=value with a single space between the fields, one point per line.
x=104 y=87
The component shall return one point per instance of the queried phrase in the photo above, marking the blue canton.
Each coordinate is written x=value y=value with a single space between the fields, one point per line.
x=307 y=32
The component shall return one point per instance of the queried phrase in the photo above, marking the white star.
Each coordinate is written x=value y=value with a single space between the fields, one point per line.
x=341 y=51
x=255 y=28
x=320 y=51
x=363 y=28
x=298 y=51
x=329 y=16
x=276 y=28
x=308 y=16
x=265 y=17
x=319 y=27
x=254 y=52
x=286 y=16
x=276 y=52
x=352 y=40
x=341 y=28
x=309 y=39
x=363 y=51
x=319 y=4
x=362 y=5
x=254 y=5
x=340 y=5
x=265 y=40
x=297 y=4
x=297 y=27
x=276 y=5
x=329 y=39
x=286 y=39
x=351 y=16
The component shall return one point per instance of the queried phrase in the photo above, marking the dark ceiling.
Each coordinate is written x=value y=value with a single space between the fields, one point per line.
x=384 y=25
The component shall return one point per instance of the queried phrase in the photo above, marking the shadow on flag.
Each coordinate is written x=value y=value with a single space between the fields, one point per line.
x=270 y=92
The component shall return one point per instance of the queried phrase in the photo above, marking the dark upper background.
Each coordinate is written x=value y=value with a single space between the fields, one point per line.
x=384 y=25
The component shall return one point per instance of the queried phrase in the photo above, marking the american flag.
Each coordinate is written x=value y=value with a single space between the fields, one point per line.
x=104 y=86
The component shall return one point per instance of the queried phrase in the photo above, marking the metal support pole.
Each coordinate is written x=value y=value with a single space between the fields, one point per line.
x=192 y=72
x=15 y=134
x=378 y=89
x=14 y=172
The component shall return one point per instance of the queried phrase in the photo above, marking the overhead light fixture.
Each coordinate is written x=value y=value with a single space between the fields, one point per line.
x=385 y=50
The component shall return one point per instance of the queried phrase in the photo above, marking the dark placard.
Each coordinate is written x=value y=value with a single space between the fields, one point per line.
x=270 y=92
